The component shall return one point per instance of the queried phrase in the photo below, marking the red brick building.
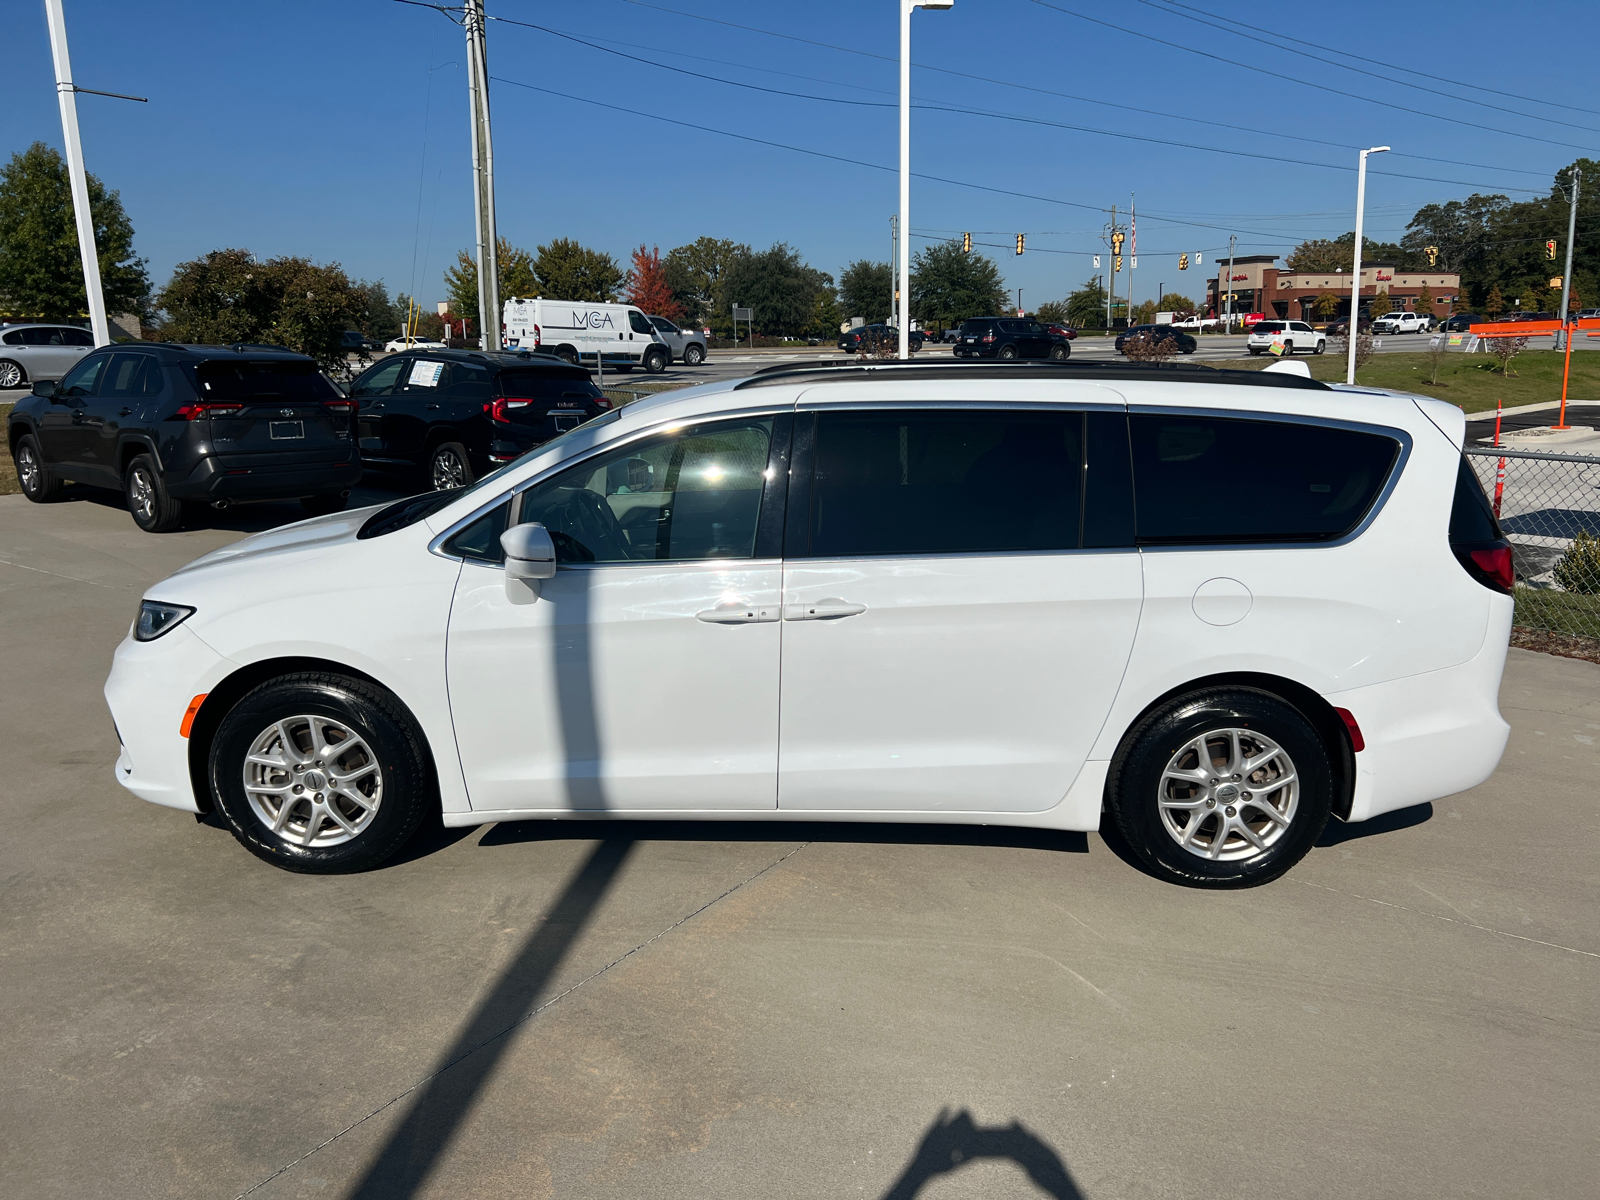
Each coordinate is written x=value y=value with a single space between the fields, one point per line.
x=1260 y=287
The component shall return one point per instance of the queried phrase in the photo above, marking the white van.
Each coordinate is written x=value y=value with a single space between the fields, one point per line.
x=616 y=335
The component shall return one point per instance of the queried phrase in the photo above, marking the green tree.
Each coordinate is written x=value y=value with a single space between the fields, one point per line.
x=1379 y=304
x=778 y=286
x=376 y=315
x=41 y=272
x=1086 y=307
x=566 y=270
x=1495 y=304
x=1338 y=254
x=696 y=272
x=1425 y=300
x=227 y=296
x=1145 y=313
x=516 y=271
x=825 y=314
x=1052 y=312
x=864 y=288
x=1327 y=305
x=1176 y=302
x=949 y=285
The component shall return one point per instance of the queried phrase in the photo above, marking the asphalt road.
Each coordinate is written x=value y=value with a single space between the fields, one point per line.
x=703 y=1010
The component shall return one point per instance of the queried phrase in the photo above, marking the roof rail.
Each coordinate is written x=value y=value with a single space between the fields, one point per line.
x=943 y=369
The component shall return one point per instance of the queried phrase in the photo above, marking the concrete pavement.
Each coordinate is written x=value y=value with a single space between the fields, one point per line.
x=811 y=1010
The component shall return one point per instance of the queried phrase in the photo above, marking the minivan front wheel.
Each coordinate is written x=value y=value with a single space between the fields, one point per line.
x=1229 y=787
x=319 y=773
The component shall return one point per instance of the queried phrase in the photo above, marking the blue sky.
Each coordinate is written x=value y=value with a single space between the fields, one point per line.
x=338 y=129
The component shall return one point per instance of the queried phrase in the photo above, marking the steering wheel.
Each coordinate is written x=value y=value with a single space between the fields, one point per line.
x=588 y=528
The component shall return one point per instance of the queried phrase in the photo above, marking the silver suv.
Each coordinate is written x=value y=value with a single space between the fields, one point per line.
x=30 y=352
x=684 y=345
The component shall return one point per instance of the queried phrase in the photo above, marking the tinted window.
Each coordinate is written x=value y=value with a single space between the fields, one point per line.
x=14 y=338
x=132 y=375
x=1218 y=479
x=468 y=381
x=944 y=482
x=664 y=325
x=545 y=385
x=226 y=379
x=481 y=539
x=1471 y=518
x=637 y=322
x=692 y=494
x=380 y=380
x=1269 y=327
x=80 y=381
x=76 y=337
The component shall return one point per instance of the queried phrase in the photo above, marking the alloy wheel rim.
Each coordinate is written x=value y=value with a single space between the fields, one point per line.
x=448 y=471
x=10 y=376
x=1228 y=795
x=313 y=781
x=27 y=468
x=141 y=494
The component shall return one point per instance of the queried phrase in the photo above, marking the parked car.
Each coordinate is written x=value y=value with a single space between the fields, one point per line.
x=687 y=346
x=458 y=414
x=353 y=341
x=1460 y=322
x=1341 y=326
x=1400 y=322
x=1587 y=314
x=171 y=425
x=399 y=344
x=1010 y=337
x=866 y=338
x=32 y=352
x=932 y=571
x=1161 y=333
x=1293 y=335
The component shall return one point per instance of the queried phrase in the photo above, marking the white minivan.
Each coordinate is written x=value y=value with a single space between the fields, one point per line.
x=1210 y=607
x=617 y=337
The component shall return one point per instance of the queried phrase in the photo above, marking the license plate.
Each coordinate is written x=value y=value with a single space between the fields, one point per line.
x=284 y=431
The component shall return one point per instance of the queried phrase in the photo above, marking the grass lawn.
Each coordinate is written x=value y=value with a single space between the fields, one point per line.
x=8 y=469
x=1464 y=379
x=1563 y=612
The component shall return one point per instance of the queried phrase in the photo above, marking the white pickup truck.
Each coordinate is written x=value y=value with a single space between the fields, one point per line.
x=1402 y=322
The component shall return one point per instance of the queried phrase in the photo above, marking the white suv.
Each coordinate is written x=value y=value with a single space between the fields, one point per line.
x=1211 y=607
x=1294 y=335
x=1401 y=322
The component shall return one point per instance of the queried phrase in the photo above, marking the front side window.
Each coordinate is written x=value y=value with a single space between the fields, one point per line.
x=1221 y=479
x=380 y=380
x=638 y=323
x=81 y=380
x=664 y=325
x=944 y=482
x=691 y=494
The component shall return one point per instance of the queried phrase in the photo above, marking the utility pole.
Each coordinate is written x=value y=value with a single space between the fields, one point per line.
x=1111 y=274
x=894 y=271
x=482 y=176
x=1572 y=229
x=1355 y=270
x=1228 y=325
x=66 y=93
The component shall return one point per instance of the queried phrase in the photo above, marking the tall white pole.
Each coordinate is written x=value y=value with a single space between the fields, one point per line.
x=1566 y=275
x=66 y=93
x=483 y=177
x=1355 y=268
x=905 y=176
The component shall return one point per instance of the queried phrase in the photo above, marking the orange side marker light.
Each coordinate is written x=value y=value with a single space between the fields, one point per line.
x=189 y=714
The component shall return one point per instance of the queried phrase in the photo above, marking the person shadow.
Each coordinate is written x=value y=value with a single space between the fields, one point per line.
x=955 y=1139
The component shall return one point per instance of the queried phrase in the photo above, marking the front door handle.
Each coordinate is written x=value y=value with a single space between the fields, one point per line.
x=830 y=609
x=738 y=614
x=433 y=406
x=122 y=412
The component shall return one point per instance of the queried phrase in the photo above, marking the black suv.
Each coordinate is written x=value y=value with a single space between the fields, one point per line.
x=1010 y=337
x=460 y=413
x=173 y=424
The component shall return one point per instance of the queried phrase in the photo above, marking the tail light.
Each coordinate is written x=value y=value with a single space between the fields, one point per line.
x=988 y=337
x=497 y=409
x=1490 y=565
x=345 y=407
x=538 y=337
x=601 y=402
x=208 y=408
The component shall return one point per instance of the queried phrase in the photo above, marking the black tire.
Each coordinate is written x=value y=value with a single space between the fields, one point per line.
x=11 y=374
x=655 y=361
x=321 y=506
x=405 y=785
x=1321 y=346
x=1059 y=352
x=1138 y=777
x=568 y=355
x=39 y=483
x=1255 y=353
x=449 y=466
x=693 y=355
x=152 y=507
x=1007 y=352
x=1288 y=348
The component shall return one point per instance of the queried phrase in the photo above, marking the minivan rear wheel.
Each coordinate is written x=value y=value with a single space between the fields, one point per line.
x=1227 y=787
x=153 y=508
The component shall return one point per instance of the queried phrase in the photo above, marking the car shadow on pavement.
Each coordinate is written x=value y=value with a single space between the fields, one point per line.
x=509 y=833
x=952 y=1141
x=441 y=1101
x=242 y=518
x=1404 y=818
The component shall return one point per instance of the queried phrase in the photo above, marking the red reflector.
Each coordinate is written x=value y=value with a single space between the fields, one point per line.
x=190 y=712
x=1357 y=742
x=1496 y=563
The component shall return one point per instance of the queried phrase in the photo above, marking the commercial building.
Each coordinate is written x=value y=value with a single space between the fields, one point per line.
x=1260 y=287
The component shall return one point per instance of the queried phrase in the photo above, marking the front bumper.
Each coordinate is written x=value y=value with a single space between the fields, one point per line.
x=148 y=691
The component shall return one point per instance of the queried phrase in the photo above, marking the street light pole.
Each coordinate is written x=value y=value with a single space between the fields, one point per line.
x=1572 y=229
x=483 y=177
x=905 y=164
x=1355 y=269
x=66 y=92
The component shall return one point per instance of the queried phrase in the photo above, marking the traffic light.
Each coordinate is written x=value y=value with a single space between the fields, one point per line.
x=1020 y=239
x=1549 y=248
x=1433 y=255
x=966 y=243
x=1119 y=262
x=1183 y=262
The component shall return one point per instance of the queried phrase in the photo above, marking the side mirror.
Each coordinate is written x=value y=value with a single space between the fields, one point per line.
x=44 y=388
x=530 y=555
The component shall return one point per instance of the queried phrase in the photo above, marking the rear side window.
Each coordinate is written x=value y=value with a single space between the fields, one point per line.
x=225 y=379
x=908 y=482
x=132 y=375
x=1471 y=518
x=1222 y=479
x=76 y=337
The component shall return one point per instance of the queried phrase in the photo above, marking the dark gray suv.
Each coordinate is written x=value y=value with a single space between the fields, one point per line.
x=171 y=425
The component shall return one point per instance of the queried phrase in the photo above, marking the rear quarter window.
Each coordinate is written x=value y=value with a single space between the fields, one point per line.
x=1207 y=480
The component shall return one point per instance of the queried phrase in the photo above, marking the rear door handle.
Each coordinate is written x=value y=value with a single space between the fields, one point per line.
x=122 y=412
x=738 y=614
x=822 y=610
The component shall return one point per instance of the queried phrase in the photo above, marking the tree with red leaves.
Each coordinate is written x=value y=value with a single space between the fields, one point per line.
x=647 y=286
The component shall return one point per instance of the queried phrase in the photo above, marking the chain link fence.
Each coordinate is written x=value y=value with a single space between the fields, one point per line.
x=1549 y=507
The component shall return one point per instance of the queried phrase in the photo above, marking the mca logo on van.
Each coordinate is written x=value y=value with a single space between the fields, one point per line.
x=594 y=320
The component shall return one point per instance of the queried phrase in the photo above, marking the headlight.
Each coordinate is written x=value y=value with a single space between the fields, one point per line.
x=156 y=618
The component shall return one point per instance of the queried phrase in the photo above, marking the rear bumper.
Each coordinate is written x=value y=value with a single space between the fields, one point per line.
x=1430 y=736
x=213 y=479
